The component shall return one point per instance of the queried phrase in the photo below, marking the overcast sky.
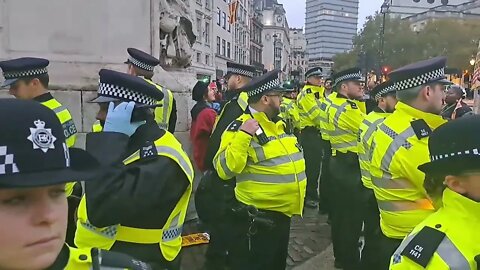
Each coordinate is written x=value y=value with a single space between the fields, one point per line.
x=296 y=11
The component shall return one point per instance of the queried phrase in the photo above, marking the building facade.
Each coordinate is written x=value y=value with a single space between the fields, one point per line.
x=405 y=8
x=299 y=55
x=256 y=37
x=203 y=58
x=330 y=26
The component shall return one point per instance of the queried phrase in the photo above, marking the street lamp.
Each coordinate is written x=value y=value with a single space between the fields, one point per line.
x=472 y=62
x=275 y=36
x=383 y=10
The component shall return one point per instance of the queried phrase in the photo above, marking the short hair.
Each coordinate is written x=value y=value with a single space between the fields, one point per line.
x=43 y=78
x=142 y=72
x=434 y=184
x=409 y=95
x=254 y=99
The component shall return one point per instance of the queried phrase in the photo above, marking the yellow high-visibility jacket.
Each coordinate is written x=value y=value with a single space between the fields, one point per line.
x=400 y=146
x=365 y=138
x=451 y=234
x=270 y=176
x=345 y=117
x=308 y=102
x=289 y=111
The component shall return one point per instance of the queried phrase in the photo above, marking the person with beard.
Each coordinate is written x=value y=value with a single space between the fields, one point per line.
x=203 y=120
x=36 y=165
x=346 y=116
x=139 y=204
x=269 y=168
x=385 y=95
x=213 y=196
x=455 y=107
x=448 y=239
x=400 y=146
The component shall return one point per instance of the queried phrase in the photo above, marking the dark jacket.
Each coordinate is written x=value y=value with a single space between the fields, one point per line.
x=140 y=195
x=459 y=112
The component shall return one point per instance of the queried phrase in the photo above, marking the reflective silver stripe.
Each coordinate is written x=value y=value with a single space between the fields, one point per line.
x=371 y=128
x=271 y=178
x=59 y=109
x=451 y=255
x=344 y=145
x=388 y=183
x=166 y=106
x=399 y=140
x=108 y=232
x=285 y=135
x=278 y=160
x=365 y=173
x=181 y=160
x=311 y=110
x=338 y=132
x=404 y=244
x=223 y=163
x=242 y=103
x=340 y=110
x=163 y=126
x=258 y=150
x=398 y=206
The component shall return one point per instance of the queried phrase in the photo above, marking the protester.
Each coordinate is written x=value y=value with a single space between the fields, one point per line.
x=455 y=107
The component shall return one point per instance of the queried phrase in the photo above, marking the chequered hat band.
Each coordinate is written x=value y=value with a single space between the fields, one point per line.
x=24 y=73
x=420 y=80
x=385 y=91
x=115 y=91
x=350 y=76
x=314 y=73
x=265 y=87
x=460 y=153
x=240 y=71
x=140 y=64
x=7 y=165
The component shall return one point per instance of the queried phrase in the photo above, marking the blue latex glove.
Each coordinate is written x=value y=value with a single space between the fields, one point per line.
x=118 y=119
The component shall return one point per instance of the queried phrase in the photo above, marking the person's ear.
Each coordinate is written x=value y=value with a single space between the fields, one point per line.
x=455 y=183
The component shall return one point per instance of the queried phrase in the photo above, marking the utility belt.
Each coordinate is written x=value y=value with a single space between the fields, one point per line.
x=310 y=129
x=255 y=217
x=349 y=157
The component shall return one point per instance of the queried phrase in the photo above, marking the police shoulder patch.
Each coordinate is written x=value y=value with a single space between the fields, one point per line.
x=352 y=104
x=309 y=91
x=317 y=95
x=423 y=246
x=421 y=129
x=148 y=150
x=235 y=125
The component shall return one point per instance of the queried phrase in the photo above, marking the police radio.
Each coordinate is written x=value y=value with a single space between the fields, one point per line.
x=262 y=138
x=140 y=112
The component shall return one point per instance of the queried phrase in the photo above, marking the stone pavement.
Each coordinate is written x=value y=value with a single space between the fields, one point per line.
x=308 y=249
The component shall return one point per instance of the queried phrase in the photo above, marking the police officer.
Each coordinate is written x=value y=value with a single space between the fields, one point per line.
x=345 y=116
x=400 y=146
x=385 y=95
x=36 y=164
x=269 y=169
x=289 y=108
x=308 y=102
x=216 y=198
x=142 y=64
x=139 y=204
x=28 y=79
x=448 y=239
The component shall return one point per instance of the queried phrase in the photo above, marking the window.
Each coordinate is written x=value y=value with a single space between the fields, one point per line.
x=207 y=4
x=223 y=47
x=207 y=59
x=199 y=56
x=224 y=20
x=199 y=2
x=219 y=16
x=207 y=33
x=218 y=45
x=199 y=26
x=228 y=49
x=229 y=26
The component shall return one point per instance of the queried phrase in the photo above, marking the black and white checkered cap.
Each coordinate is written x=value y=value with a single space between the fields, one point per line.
x=383 y=89
x=420 y=73
x=142 y=59
x=351 y=74
x=115 y=85
x=239 y=69
x=24 y=73
x=22 y=67
x=316 y=71
x=263 y=84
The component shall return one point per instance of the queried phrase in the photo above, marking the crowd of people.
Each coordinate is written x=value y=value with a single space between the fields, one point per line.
x=398 y=159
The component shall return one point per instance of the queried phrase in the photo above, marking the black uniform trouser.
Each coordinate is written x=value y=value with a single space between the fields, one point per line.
x=346 y=213
x=268 y=246
x=311 y=142
x=387 y=248
x=217 y=252
x=371 y=219
x=325 y=177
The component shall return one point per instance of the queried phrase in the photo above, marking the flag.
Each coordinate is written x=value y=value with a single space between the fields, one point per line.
x=232 y=12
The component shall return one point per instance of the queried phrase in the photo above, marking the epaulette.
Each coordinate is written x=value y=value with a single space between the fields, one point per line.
x=148 y=150
x=309 y=91
x=423 y=245
x=352 y=104
x=235 y=125
x=317 y=95
x=421 y=129
x=114 y=260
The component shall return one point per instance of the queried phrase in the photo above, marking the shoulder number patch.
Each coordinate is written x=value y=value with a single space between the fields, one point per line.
x=352 y=104
x=148 y=150
x=421 y=129
x=309 y=91
x=235 y=125
x=423 y=246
